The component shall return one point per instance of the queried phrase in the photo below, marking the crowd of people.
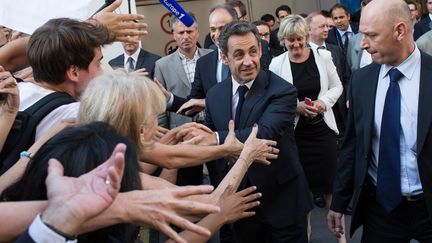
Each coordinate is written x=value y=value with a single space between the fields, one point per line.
x=233 y=142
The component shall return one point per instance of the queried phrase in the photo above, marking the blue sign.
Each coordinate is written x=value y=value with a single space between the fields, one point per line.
x=353 y=5
x=178 y=11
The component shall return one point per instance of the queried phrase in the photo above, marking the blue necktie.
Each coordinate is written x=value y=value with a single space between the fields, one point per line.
x=241 y=92
x=388 y=179
x=131 y=64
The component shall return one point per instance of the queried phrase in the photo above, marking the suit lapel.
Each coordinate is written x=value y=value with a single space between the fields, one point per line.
x=425 y=101
x=369 y=97
x=179 y=70
x=255 y=94
x=226 y=101
x=141 y=59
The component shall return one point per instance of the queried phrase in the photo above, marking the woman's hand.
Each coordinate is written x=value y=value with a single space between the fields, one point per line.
x=9 y=93
x=307 y=110
x=320 y=106
x=234 y=206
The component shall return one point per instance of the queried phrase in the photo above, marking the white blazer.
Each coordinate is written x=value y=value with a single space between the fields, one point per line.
x=331 y=86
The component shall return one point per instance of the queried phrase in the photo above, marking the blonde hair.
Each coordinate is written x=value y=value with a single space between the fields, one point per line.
x=293 y=25
x=123 y=100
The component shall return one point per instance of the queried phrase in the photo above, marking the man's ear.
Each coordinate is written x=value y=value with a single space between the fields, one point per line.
x=72 y=73
x=224 y=58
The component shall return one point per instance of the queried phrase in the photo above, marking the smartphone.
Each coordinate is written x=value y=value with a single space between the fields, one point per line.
x=308 y=101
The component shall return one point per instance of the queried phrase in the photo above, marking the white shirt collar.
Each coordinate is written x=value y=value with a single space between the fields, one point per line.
x=315 y=46
x=134 y=57
x=342 y=32
x=406 y=67
x=236 y=84
x=182 y=56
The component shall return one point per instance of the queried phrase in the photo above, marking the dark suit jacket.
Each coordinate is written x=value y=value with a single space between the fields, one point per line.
x=24 y=238
x=422 y=27
x=336 y=39
x=344 y=72
x=271 y=103
x=145 y=60
x=356 y=150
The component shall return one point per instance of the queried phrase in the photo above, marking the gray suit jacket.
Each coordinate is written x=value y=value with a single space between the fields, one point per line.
x=354 y=52
x=170 y=72
x=424 y=43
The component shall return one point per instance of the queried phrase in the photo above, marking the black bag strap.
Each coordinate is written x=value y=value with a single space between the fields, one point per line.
x=22 y=135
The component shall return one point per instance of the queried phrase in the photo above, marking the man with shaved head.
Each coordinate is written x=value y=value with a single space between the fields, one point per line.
x=386 y=158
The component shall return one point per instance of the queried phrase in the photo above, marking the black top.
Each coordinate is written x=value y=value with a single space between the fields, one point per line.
x=306 y=78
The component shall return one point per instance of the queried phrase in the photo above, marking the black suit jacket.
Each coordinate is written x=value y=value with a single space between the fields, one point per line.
x=336 y=39
x=145 y=60
x=356 y=150
x=344 y=72
x=422 y=27
x=24 y=238
x=271 y=103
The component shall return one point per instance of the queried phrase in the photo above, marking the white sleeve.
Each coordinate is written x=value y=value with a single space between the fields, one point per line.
x=40 y=233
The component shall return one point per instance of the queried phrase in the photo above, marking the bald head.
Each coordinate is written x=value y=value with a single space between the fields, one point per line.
x=389 y=11
x=387 y=31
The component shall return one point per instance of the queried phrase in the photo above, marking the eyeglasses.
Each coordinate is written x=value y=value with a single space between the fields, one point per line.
x=264 y=34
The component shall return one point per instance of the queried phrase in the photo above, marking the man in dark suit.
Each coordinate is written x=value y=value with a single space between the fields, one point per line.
x=385 y=162
x=343 y=30
x=135 y=58
x=425 y=24
x=281 y=12
x=252 y=96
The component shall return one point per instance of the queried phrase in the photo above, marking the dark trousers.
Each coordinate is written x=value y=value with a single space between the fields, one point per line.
x=253 y=230
x=410 y=220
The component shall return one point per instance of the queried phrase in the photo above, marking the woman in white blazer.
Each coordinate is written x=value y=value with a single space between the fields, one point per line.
x=318 y=85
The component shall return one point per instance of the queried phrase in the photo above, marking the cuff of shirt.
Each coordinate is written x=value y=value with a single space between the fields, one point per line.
x=40 y=233
x=170 y=101
x=217 y=138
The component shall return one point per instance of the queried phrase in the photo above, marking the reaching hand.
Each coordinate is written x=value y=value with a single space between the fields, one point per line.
x=160 y=208
x=334 y=223
x=234 y=206
x=192 y=106
x=207 y=136
x=125 y=26
x=72 y=201
x=9 y=93
x=141 y=72
x=261 y=150
x=166 y=93
x=233 y=144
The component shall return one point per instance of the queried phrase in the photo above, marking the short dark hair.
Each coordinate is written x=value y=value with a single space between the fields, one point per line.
x=325 y=13
x=282 y=8
x=61 y=43
x=237 y=28
x=261 y=22
x=267 y=18
x=239 y=4
x=80 y=150
x=339 y=5
x=228 y=8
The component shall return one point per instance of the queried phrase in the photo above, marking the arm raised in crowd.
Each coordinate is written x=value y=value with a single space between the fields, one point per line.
x=9 y=103
x=156 y=208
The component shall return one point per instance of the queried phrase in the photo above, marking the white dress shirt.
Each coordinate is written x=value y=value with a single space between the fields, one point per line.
x=409 y=86
x=134 y=57
x=235 y=94
x=219 y=67
x=342 y=33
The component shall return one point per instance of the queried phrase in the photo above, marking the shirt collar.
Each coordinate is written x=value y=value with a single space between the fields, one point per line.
x=236 y=84
x=315 y=46
x=182 y=56
x=342 y=32
x=134 y=55
x=406 y=67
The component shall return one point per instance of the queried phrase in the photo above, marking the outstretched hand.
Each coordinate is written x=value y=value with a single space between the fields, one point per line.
x=72 y=201
x=162 y=207
x=192 y=106
x=125 y=26
x=261 y=150
x=233 y=144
